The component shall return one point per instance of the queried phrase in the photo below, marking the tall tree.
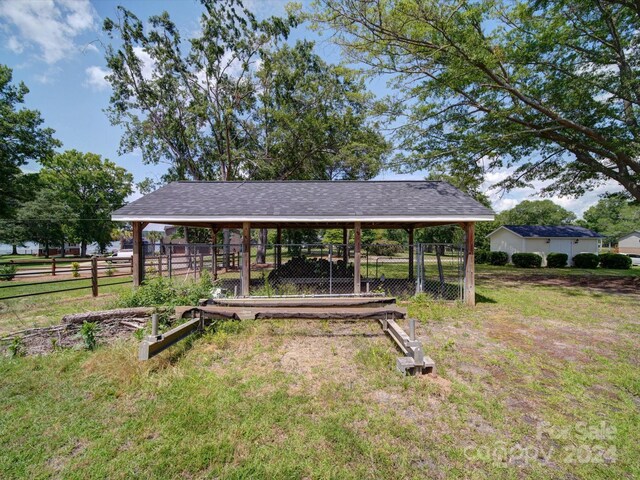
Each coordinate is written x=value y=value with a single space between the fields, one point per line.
x=613 y=216
x=47 y=219
x=92 y=187
x=536 y=212
x=549 y=87
x=312 y=120
x=22 y=139
x=188 y=108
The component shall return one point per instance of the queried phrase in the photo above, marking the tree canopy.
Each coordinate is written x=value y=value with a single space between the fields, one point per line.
x=22 y=139
x=546 y=88
x=233 y=102
x=613 y=216
x=92 y=187
x=536 y=212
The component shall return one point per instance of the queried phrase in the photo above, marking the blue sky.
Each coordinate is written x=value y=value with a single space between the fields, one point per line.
x=57 y=48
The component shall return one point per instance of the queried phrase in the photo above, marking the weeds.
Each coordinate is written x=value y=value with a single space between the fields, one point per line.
x=160 y=291
x=8 y=271
x=88 y=332
x=75 y=269
x=16 y=348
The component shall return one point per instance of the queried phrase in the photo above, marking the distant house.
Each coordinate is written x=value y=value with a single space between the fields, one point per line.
x=630 y=243
x=542 y=239
x=69 y=249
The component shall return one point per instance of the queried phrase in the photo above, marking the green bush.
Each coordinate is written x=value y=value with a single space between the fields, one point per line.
x=75 y=269
x=615 y=260
x=482 y=256
x=160 y=291
x=557 y=260
x=526 y=260
x=385 y=248
x=8 y=271
x=586 y=260
x=498 y=258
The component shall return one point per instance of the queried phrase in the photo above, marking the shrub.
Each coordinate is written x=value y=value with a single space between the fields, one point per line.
x=586 y=260
x=615 y=260
x=526 y=260
x=557 y=260
x=8 y=271
x=385 y=248
x=498 y=258
x=88 y=332
x=75 y=269
x=482 y=256
x=16 y=347
x=160 y=291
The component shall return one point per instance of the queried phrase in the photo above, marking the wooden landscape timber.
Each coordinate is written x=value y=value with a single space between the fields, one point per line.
x=381 y=309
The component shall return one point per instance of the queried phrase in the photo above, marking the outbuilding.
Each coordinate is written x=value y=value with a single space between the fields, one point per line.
x=544 y=239
x=308 y=204
x=630 y=243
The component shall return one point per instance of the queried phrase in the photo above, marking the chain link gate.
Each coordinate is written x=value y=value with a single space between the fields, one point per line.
x=440 y=270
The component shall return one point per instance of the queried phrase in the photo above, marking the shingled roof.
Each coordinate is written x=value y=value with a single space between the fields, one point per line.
x=549 y=231
x=305 y=201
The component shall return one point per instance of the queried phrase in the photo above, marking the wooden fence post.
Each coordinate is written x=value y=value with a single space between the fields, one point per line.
x=53 y=267
x=94 y=276
x=160 y=265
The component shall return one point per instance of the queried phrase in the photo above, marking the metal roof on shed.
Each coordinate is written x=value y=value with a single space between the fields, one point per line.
x=305 y=201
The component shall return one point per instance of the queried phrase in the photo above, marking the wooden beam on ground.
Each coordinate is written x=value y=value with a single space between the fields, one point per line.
x=469 y=265
x=357 y=235
x=246 y=258
x=138 y=254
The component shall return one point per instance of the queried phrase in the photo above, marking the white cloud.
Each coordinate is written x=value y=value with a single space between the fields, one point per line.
x=50 y=25
x=148 y=65
x=96 y=78
x=15 y=45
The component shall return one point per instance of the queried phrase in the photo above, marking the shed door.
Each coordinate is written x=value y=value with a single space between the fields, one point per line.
x=561 y=245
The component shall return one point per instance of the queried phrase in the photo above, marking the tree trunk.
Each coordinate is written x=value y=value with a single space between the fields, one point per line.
x=14 y=249
x=83 y=248
x=261 y=253
x=62 y=251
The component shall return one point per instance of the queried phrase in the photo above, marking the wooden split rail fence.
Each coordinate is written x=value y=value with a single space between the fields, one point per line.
x=63 y=267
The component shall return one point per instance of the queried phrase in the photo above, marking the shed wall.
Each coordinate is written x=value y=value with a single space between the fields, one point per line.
x=631 y=244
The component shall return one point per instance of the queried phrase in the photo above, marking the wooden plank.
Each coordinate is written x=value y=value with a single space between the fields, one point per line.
x=149 y=347
x=310 y=313
x=469 y=265
x=344 y=302
x=357 y=235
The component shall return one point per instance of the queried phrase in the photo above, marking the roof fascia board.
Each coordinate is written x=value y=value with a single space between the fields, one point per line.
x=278 y=219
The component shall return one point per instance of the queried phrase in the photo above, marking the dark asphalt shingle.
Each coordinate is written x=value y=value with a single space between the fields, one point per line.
x=305 y=199
x=548 y=231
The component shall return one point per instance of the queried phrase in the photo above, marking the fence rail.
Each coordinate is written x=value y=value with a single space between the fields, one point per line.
x=91 y=265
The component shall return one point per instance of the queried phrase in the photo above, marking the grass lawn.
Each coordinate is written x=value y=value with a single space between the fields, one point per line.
x=537 y=381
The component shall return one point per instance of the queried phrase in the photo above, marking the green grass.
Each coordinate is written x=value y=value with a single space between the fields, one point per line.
x=570 y=271
x=532 y=369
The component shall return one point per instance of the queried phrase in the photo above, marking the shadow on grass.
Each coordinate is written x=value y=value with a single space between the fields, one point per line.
x=482 y=299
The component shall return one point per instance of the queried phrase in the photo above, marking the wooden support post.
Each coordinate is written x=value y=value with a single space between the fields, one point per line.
x=345 y=243
x=278 y=246
x=94 y=276
x=469 y=264
x=410 y=231
x=357 y=237
x=214 y=253
x=160 y=265
x=138 y=254
x=246 y=258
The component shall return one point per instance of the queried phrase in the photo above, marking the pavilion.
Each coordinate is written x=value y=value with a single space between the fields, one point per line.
x=281 y=205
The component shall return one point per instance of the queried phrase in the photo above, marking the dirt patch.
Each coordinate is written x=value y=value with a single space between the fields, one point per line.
x=44 y=340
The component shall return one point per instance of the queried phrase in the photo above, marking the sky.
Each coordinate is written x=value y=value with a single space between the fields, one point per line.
x=57 y=48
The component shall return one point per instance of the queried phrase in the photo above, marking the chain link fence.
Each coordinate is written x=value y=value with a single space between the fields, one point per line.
x=319 y=269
